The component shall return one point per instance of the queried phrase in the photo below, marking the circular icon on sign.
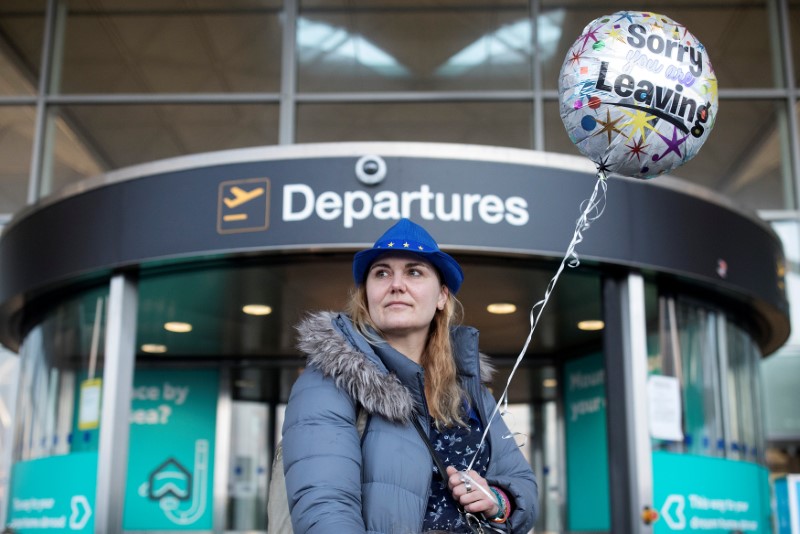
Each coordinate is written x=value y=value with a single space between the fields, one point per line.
x=370 y=170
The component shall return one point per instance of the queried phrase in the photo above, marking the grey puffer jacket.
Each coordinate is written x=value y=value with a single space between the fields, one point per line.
x=338 y=482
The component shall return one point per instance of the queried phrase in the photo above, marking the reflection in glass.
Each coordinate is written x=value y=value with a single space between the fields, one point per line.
x=483 y=123
x=744 y=158
x=717 y=362
x=99 y=138
x=167 y=6
x=323 y=42
x=779 y=373
x=549 y=476
x=21 y=37
x=422 y=4
x=60 y=357
x=16 y=140
x=793 y=19
x=743 y=382
x=788 y=230
x=698 y=372
x=720 y=26
x=210 y=298
x=508 y=45
x=249 y=466
x=9 y=385
x=14 y=80
x=463 y=48
x=235 y=49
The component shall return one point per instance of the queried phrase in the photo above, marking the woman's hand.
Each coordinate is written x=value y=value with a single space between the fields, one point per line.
x=472 y=498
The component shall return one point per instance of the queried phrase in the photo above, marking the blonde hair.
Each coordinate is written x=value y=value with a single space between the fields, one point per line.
x=443 y=392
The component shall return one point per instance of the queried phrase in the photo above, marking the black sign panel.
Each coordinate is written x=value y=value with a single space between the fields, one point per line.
x=470 y=206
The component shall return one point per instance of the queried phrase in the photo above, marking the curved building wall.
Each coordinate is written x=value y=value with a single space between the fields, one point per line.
x=309 y=197
x=195 y=240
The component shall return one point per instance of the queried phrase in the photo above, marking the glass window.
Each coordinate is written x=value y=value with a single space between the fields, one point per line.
x=500 y=124
x=546 y=467
x=409 y=3
x=249 y=463
x=402 y=48
x=94 y=139
x=717 y=363
x=743 y=383
x=653 y=325
x=59 y=355
x=737 y=35
x=167 y=7
x=789 y=233
x=687 y=336
x=132 y=47
x=743 y=158
x=21 y=38
x=794 y=36
x=16 y=140
x=15 y=77
x=212 y=301
x=9 y=385
x=698 y=370
x=780 y=372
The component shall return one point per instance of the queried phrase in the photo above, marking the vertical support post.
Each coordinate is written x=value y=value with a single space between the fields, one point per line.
x=222 y=452
x=536 y=74
x=629 y=450
x=781 y=34
x=538 y=453
x=721 y=383
x=41 y=105
x=286 y=126
x=561 y=456
x=275 y=382
x=11 y=368
x=120 y=356
x=47 y=135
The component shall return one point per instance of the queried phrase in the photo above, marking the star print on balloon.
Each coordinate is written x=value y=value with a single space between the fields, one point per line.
x=638 y=94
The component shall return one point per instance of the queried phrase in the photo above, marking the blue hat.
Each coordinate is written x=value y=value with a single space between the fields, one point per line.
x=407 y=236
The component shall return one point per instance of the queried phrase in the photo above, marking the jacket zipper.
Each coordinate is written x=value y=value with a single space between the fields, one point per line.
x=427 y=426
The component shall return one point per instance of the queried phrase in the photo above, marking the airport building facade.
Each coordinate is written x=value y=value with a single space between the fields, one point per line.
x=183 y=180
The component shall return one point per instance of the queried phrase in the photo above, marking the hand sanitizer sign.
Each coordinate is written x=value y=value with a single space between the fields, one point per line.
x=170 y=463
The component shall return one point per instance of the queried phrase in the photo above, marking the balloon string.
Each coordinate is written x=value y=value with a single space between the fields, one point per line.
x=592 y=209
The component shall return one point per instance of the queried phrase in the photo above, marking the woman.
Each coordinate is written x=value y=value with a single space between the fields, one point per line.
x=396 y=356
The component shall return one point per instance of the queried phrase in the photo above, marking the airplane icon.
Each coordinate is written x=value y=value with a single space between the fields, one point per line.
x=243 y=205
x=241 y=196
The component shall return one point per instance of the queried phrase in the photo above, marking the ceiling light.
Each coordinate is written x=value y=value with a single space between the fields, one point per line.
x=178 y=327
x=591 y=324
x=154 y=348
x=501 y=308
x=549 y=382
x=257 y=309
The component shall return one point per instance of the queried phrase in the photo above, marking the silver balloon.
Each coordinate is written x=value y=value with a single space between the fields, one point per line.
x=638 y=94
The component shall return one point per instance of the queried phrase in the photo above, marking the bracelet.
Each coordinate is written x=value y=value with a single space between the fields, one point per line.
x=499 y=503
x=503 y=504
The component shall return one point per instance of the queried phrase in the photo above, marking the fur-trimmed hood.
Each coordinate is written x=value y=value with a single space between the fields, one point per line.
x=333 y=346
